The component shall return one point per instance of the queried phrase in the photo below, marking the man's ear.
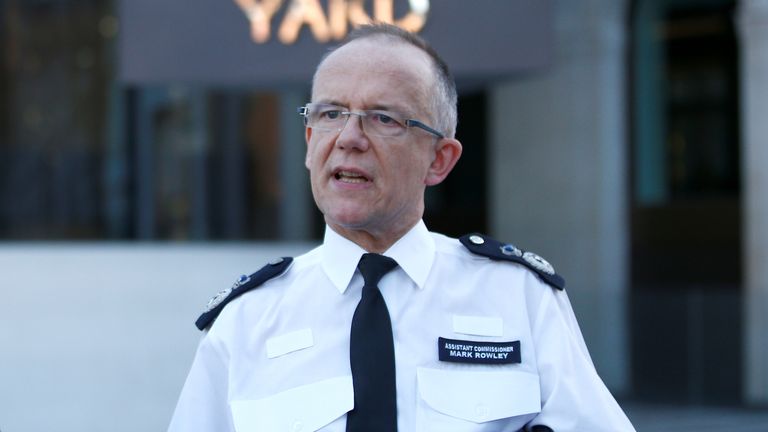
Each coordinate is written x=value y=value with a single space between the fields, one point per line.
x=307 y=136
x=447 y=153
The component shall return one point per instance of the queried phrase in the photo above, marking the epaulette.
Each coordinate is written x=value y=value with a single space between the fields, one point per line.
x=241 y=286
x=495 y=250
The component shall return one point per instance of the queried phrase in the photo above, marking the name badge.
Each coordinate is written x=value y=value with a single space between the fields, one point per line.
x=478 y=352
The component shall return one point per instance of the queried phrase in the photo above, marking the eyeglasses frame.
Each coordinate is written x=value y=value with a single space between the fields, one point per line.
x=304 y=112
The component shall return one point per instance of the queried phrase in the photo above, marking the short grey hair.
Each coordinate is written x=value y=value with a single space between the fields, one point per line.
x=443 y=96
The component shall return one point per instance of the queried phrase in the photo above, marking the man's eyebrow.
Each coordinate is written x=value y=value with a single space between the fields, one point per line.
x=330 y=102
x=398 y=109
x=380 y=107
x=377 y=107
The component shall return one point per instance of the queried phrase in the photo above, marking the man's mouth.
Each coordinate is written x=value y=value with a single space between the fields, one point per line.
x=350 y=177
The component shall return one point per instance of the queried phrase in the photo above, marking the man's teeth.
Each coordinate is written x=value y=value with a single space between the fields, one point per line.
x=350 y=177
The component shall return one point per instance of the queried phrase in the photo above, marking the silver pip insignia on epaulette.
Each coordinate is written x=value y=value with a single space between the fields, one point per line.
x=242 y=285
x=223 y=294
x=539 y=262
x=495 y=250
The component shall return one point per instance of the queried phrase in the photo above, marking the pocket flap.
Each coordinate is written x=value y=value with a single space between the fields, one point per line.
x=305 y=408
x=480 y=396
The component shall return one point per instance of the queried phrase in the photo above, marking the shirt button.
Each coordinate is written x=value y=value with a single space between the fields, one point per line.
x=297 y=426
x=482 y=411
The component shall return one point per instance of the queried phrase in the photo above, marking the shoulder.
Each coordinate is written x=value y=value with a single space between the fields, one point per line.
x=485 y=246
x=242 y=285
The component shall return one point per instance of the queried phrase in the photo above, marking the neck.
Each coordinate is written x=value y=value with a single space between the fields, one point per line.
x=372 y=241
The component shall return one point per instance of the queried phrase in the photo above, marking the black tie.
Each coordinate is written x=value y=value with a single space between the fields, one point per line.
x=372 y=353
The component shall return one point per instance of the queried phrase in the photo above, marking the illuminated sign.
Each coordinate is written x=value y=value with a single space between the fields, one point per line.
x=326 y=27
x=276 y=44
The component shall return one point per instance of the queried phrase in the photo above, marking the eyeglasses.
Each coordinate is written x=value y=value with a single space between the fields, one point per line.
x=333 y=118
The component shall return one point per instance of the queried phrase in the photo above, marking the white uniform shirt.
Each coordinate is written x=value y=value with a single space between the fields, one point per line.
x=277 y=357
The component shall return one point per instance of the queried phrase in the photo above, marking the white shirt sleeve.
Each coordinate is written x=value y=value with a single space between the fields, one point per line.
x=203 y=406
x=573 y=397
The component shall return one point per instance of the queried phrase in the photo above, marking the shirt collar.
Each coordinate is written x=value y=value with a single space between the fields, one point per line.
x=414 y=253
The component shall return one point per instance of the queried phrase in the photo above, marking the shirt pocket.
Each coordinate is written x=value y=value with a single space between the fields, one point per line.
x=476 y=400
x=306 y=408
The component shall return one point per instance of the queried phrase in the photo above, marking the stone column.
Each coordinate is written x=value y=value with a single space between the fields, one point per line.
x=753 y=29
x=559 y=175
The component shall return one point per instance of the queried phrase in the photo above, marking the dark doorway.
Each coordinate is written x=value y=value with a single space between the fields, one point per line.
x=458 y=205
x=686 y=199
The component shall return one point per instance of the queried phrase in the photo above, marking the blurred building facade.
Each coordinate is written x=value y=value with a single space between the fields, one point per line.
x=625 y=145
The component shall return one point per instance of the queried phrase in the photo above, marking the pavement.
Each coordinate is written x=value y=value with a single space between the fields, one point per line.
x=669 y=418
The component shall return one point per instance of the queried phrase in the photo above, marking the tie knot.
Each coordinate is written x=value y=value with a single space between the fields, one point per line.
x=374 y=266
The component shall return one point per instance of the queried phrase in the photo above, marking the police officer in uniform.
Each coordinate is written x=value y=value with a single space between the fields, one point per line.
x=387 y=326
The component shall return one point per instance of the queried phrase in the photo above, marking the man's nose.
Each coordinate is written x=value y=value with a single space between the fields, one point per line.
x=352 y=134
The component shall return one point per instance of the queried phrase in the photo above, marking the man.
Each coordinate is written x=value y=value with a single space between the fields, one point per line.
x=387 y=326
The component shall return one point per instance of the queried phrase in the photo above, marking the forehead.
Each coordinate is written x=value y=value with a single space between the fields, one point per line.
x=375 y=71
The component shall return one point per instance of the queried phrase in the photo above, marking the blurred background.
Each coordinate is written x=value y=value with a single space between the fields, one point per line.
x=150 y=153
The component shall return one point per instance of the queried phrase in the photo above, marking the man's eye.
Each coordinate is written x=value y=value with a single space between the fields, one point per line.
x=330 y=115
x=385 y=119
